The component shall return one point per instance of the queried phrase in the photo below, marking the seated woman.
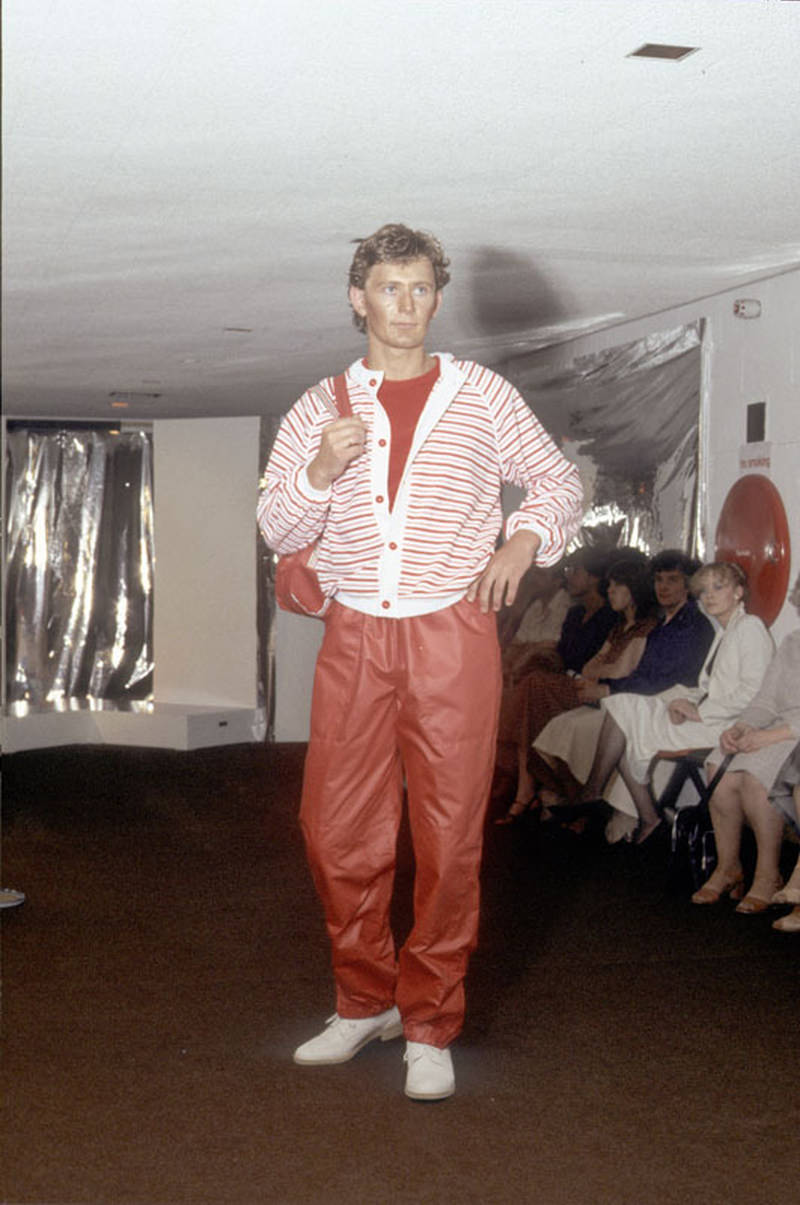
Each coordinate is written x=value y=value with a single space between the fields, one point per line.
x=758 y=786
x=563 y=750
x=544 y=687
x=529 y=630
x=636 y=727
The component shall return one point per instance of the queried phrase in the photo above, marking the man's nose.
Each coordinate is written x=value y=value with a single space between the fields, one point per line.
x=406 y=301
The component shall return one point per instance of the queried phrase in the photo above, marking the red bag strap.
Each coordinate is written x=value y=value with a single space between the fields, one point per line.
x=342 y=396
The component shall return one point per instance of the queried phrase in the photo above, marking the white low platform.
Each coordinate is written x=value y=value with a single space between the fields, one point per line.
x=152 y=725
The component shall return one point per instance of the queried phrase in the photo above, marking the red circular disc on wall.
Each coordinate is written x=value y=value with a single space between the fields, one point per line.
x=753 y=531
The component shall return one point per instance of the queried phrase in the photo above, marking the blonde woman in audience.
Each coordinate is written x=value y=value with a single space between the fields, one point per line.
x=636 y=727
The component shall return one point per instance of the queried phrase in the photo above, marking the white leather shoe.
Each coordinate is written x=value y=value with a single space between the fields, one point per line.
x=345 y=1036
x=429 y=1074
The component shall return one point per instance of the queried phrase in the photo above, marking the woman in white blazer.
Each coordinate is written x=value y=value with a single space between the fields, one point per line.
x=636 y=727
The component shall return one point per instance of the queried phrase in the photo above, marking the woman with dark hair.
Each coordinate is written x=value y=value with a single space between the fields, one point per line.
x=563 y=750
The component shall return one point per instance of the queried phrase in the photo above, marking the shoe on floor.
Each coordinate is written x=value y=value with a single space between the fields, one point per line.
x=343 y=1037
x=787 y=895
x=789 y=923
x=429 y=1074
x=752 y=905
x=712 y=895
x=620 y=827
x=10 y=898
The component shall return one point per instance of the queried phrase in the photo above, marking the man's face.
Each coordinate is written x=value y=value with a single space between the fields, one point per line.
x=398 y=301
x=671 y=589
x=577 y=581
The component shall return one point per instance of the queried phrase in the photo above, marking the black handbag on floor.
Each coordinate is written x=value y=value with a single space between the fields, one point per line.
x=693 y=846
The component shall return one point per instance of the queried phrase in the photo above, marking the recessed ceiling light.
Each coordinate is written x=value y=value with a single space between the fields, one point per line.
x=660 y=50
x=123 y=397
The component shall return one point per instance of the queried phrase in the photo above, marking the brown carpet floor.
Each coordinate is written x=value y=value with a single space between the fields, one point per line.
x=622 y=1047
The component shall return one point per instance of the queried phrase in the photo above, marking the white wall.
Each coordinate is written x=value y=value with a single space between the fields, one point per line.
x=204 y=606
x=297 y=640
x=752 y=361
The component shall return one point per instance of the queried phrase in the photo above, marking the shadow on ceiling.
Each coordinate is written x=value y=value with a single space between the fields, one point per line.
x=510 y=294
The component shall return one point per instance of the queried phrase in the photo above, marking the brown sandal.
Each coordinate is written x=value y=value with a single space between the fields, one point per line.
x=710 y=895
x=518 y=809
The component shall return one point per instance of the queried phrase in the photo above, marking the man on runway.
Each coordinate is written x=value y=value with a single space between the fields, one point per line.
x=405 y=498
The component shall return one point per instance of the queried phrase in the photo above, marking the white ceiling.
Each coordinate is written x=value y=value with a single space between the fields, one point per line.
x=176 y=168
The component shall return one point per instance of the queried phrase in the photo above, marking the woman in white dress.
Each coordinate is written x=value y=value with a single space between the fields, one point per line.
x=636 y=727
x=759 y=787
x=564 y=749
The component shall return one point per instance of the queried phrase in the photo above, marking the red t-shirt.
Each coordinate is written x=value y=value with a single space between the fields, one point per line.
x=403 y=402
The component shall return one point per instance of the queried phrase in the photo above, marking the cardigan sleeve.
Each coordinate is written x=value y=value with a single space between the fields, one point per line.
x=553 y=503
x=291 y=513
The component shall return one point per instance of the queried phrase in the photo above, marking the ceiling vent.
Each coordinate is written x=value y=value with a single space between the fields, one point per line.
x=660 y=50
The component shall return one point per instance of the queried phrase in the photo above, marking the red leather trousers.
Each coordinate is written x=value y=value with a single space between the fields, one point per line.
x=419 y=695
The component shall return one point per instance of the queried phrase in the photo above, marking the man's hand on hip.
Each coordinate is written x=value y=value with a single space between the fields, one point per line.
x=342 y=441
x=497 y=585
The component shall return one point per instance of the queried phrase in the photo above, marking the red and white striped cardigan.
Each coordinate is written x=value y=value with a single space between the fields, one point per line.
x=475 y=432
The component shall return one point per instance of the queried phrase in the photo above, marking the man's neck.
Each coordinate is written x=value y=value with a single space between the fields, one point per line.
x=399 y=364
x=671 y=612
x=592 y=601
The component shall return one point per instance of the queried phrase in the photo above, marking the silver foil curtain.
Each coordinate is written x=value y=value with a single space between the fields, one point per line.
x=629 y=417
x=79 y=549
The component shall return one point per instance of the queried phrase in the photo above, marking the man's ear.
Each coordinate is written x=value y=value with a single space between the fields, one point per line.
x=439 y=300
x=357 y=301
